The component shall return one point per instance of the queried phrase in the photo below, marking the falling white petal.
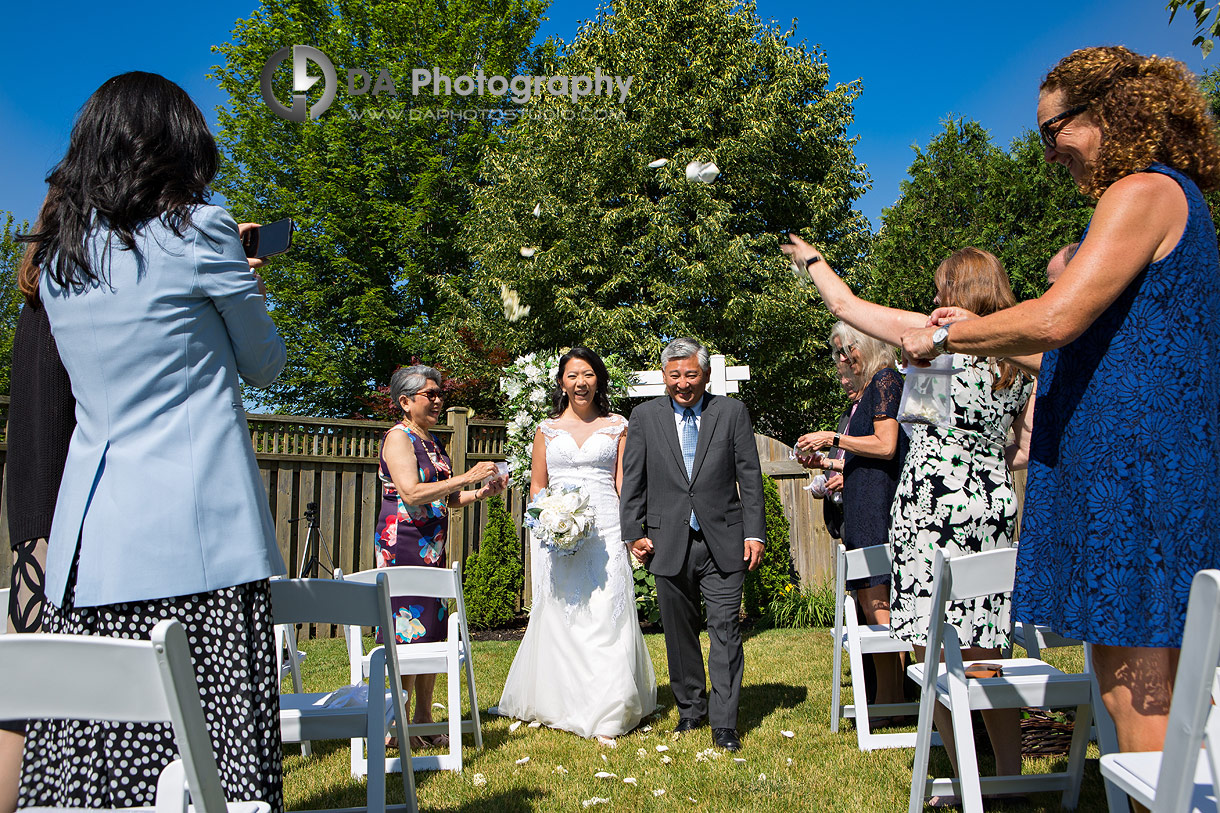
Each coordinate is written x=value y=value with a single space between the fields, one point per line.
x=523 y=760
x=537 y=210
x=440 y=706
x=657 y=164
x=515 y=726
x=709 y=172
x=692 y=171
x=528 y=251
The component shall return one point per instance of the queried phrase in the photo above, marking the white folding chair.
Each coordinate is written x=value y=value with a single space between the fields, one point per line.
x=860 y=640
x=307 y=717
x=1034 y=638
x=1022 y=682
x=1186 y=775
x=451 y=656
x=290 y=666
x=130 y=682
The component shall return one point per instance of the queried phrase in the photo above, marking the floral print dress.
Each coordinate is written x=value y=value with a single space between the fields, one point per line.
x=414 y=535
x=956 y=494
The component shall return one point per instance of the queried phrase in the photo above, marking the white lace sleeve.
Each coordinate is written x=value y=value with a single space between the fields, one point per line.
x=616 y=427
x=548 y=431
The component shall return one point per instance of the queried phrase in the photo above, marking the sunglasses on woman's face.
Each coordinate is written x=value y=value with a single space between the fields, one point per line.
x=842 y=353
x=1050 y=132
x=431 y=395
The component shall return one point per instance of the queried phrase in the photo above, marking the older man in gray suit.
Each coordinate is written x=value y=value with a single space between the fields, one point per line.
x=692 y=510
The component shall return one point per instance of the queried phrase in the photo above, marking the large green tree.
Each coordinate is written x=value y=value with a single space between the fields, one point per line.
x=962 y=190
x=378 y=184
x=628 y=255
x=11 y=253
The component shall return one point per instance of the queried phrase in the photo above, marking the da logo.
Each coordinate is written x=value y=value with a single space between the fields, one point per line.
x=299 y=110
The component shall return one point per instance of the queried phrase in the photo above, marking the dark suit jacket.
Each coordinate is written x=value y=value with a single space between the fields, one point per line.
x=725 y=489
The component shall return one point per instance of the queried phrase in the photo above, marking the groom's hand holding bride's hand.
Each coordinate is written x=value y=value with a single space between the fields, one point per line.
x=641 y=549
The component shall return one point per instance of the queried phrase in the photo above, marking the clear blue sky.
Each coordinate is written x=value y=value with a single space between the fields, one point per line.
x=918 y=62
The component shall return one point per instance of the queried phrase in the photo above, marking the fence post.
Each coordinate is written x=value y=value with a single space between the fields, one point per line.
x=459 y=522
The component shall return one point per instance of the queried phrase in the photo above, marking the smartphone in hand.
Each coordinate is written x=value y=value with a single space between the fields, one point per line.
x=269 y=239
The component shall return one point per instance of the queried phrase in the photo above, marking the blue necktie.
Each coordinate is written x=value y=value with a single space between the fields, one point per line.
x=690 y=440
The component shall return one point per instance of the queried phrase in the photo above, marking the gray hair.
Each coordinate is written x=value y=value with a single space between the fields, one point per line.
x=875 y=355
x=684 y=348
x=409 y=381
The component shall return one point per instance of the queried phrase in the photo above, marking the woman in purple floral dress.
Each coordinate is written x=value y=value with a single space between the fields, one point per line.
x=418 y=487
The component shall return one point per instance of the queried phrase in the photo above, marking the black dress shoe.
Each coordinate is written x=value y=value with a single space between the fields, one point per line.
x=688 y=724
x=726 y=738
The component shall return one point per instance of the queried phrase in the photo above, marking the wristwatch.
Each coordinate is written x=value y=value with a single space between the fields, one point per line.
x=940 y=338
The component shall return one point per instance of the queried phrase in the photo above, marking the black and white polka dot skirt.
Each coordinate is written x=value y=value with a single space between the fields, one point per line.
x=70 y=763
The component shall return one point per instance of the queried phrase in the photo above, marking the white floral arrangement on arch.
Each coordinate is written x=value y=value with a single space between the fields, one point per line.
x=527 y=384
x=561 y=518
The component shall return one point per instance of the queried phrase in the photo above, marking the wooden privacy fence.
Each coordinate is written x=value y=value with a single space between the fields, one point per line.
x=334 y=462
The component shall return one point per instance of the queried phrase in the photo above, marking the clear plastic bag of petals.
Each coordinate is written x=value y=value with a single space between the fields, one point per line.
x=927 y=393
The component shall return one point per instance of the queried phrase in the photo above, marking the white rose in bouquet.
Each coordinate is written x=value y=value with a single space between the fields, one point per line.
x=560 y=517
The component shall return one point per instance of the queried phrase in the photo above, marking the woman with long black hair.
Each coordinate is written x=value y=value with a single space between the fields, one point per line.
x=161 y=512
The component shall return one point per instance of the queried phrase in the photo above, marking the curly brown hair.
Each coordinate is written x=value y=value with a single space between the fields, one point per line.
x=1149 y=109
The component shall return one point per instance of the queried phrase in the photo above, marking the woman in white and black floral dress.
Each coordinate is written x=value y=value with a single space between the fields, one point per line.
x=955 y=492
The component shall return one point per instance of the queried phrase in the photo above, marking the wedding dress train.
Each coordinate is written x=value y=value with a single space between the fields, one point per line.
x=582 y=665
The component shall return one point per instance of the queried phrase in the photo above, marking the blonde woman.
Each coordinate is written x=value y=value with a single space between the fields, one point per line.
x=874 y=451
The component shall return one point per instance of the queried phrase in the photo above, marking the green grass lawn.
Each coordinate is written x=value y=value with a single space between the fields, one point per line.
x=786 y=687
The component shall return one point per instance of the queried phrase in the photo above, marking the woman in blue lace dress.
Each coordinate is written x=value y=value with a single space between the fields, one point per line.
x=1120 y=508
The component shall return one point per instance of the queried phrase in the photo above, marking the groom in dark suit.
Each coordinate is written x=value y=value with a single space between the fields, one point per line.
x=692 y=510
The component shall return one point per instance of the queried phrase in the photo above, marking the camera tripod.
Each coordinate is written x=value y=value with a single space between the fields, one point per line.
x=313 y=538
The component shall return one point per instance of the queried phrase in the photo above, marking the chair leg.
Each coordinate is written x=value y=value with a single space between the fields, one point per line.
x=376 y=747
x=1076 y=753
x=923 y=750
x=455 y=714
x=836 y=680
x=971 y=793
x=474 y=703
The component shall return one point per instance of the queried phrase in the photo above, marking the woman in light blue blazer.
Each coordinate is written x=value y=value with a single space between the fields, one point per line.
x=161 y=512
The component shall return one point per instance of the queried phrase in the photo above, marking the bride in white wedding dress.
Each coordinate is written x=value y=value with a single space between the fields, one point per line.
x=582 y=665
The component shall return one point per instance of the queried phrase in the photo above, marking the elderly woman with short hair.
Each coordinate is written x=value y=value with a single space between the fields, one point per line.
x=874 y=450
x=418 y=489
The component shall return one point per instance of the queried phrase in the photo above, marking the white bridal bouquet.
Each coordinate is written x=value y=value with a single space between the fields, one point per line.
x=561 y=518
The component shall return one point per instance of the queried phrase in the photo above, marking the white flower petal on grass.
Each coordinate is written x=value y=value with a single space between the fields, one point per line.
x=641 y=752
x=561 y=770
x=515 y=726
x=536 y=724
x=662 y=748
x=739 y=760
x=528 y=251
x=608 y=742
x=596 y=800
x=789 y=760
x=604 y=775
x=630 y=780
x=605 y=758
x=479 y=780
x=788 y=734
x=657 y=164
x=666 y=760
x=659 y=792
x=692 y=800
x=646 y=729
x=523 y=760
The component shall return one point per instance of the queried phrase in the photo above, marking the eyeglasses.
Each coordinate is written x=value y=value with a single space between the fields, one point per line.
x=1049 y=134
x=431 y=395
x=841 y=353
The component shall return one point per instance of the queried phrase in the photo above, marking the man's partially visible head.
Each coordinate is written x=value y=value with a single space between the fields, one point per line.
x=1060 y=262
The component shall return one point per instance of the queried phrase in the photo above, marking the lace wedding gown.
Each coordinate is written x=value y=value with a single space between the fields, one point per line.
x=582 y=665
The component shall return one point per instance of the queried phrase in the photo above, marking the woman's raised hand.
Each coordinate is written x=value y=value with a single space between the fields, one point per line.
x=948 y=315
x=813 y=441
x=800 y=251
